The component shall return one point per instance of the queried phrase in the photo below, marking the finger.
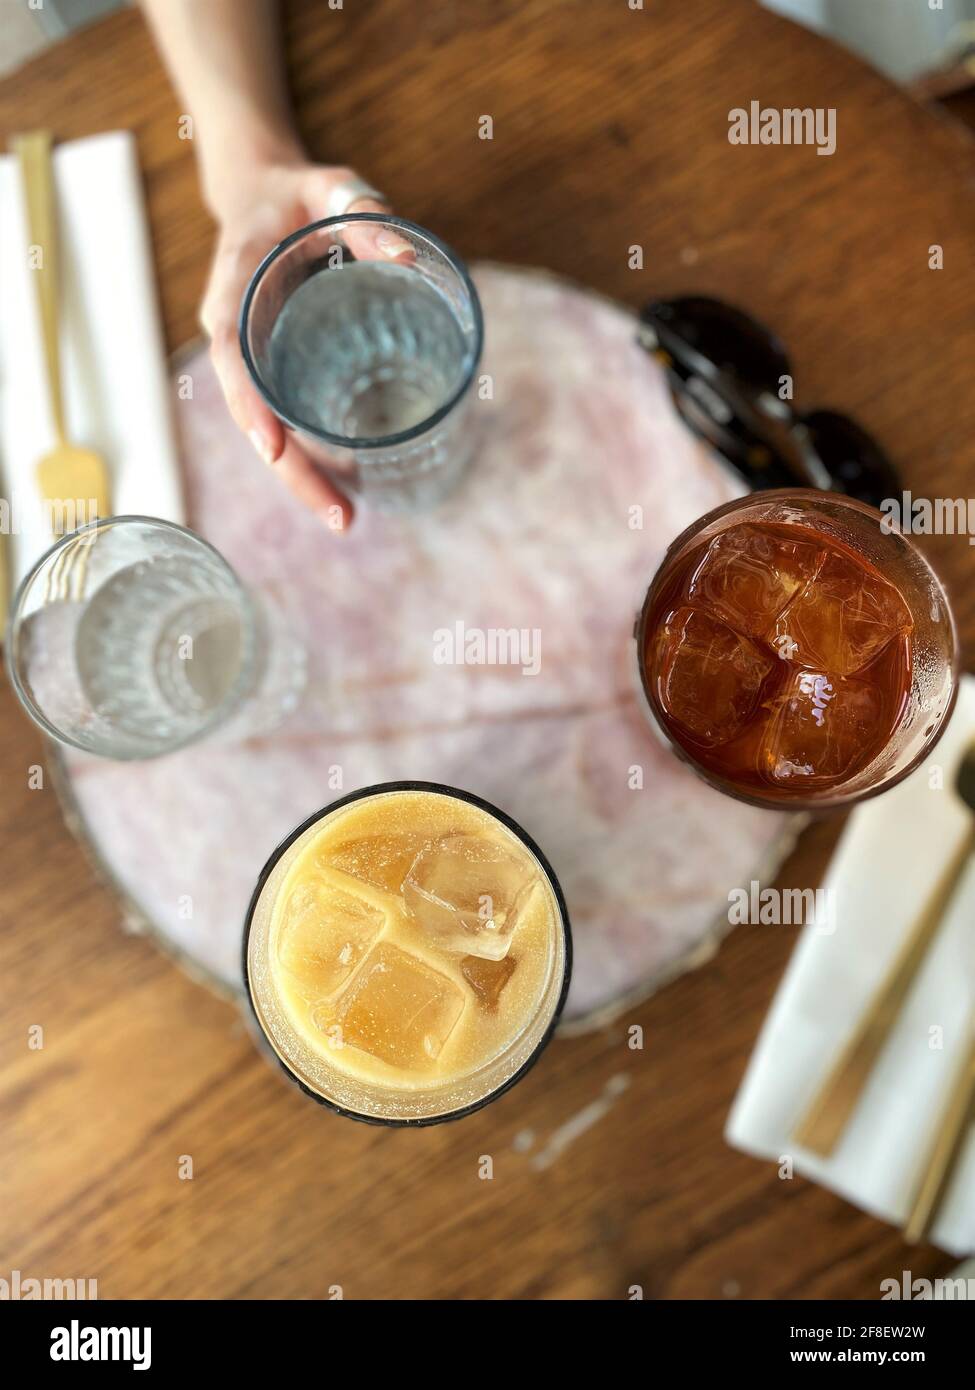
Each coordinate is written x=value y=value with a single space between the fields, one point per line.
x=310 y=485
x=233 y=265
x=270 y=439
x=251 y=414
x=366 y=242
x=370 y=243
x=218 y=315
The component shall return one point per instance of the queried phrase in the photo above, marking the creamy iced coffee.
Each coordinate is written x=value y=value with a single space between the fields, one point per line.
x=407 y=954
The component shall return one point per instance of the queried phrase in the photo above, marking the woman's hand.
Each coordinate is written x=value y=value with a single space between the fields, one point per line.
x=226 y=59
x=256 y=206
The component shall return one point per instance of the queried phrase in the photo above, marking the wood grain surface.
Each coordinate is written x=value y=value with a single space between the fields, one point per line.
x=610 y=130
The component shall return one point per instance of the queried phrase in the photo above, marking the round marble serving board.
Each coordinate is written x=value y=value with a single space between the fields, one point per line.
x=584 y=474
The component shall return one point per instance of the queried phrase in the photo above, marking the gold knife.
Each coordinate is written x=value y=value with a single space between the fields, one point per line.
x=959 y=1114
x=824 y=1121
x=4 y=578
x=6 y=563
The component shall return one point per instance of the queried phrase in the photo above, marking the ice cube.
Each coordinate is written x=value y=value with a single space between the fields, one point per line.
x=467 y=891
x=380 y=860
x=823 y=728
x=748 y=575
x=843 y=619
x=324 y=934
x=399 y=1009
x=709 y=676
x=487 y=978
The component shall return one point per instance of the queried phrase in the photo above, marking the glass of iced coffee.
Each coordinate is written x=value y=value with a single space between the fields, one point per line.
x=797 y=651
x=407 y=953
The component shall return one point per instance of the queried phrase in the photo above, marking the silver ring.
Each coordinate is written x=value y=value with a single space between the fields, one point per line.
x=350 y=191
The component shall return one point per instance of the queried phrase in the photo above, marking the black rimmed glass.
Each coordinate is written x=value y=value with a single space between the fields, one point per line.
x=388 y=1104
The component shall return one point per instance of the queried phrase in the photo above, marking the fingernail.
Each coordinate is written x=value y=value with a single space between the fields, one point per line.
x=262 y=445
x=333 y=517
x=392 y=245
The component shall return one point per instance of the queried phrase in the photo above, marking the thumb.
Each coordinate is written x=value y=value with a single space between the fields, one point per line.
x=366 y=241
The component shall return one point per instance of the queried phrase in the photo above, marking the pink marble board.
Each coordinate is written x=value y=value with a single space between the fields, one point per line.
x=584 y=475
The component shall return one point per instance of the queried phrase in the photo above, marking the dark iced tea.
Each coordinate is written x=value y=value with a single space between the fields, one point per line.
x=777 y=656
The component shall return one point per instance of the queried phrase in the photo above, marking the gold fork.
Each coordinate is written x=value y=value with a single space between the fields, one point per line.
x=68 y=574
x=69 y=477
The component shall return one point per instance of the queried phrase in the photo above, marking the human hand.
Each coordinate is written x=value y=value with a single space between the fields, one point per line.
x=256 y=208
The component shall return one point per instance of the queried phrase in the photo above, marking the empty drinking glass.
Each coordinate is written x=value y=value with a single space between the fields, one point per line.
x=132 y=637
x=371 y=361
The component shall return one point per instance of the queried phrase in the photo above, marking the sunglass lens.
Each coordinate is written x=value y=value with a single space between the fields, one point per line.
x=855 y=462
x=729 y=339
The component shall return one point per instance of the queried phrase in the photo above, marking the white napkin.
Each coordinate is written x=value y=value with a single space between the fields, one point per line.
x=116 y=384
x=886 y=864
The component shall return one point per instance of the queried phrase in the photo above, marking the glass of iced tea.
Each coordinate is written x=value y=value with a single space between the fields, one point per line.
x=407 y=954
x=796 y=651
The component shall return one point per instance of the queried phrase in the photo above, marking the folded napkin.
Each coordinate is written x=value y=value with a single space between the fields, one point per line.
x=116 y=388
x=885 y=866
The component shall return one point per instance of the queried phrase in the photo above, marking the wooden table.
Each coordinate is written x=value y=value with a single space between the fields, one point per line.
x=610 y=129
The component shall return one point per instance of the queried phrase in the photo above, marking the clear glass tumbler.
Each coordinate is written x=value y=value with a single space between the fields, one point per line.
x=371 y=361
x=132 y=637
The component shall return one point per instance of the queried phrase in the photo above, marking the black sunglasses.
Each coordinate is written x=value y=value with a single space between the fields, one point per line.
x=726 y=372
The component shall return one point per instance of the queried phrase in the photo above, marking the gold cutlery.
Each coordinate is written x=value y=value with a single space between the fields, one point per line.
x=959 y=1114
x=826 y=1118
x=69 y=477
x=4 y=578
x=68 y=575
